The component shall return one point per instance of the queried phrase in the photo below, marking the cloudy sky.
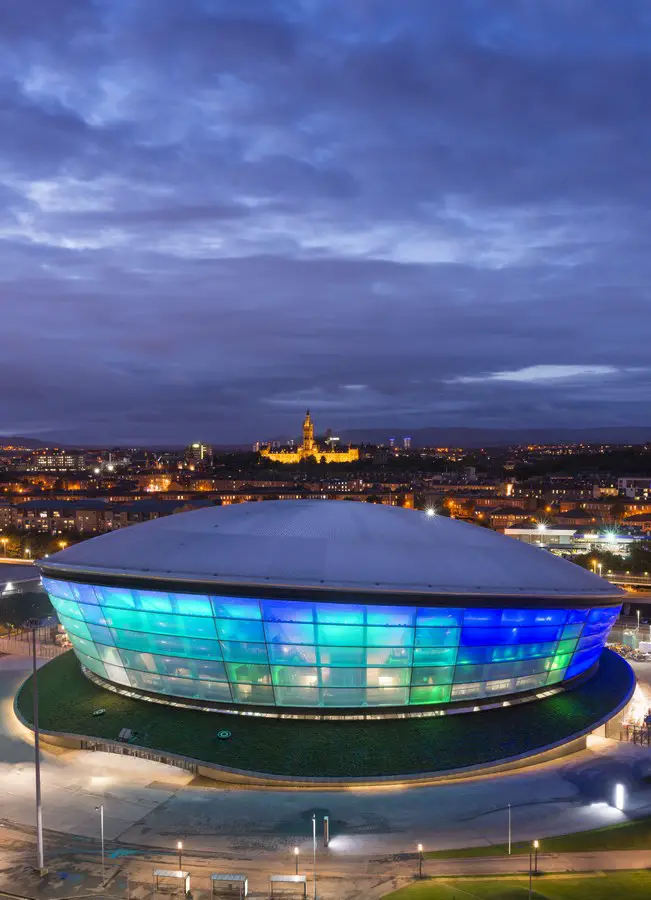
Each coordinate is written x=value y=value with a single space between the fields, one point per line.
x=214 y=213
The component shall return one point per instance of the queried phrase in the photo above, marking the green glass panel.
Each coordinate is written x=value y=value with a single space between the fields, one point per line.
x=435 y=694
x=303 y=676
x=566 y=646
x=389 y=615
x=432 y=675
x=95 y=665
x=248 y=673
x=561 y=661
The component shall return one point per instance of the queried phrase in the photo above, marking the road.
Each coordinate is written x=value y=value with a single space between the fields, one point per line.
x=149 y=807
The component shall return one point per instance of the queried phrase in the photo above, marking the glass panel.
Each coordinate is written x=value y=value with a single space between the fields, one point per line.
x=572 y=631
x=343 y=678
x=276 y=611
x=444 y=618
x=216 y=691
x=387 y=677
x=95 y=665
x=292 y=654
x=304 y=676
x=388 y=656
x=240 y=630
x=389 y=615
x=57 y=588
x=249 y=673
x=344 y=697
x=387 y=696
x=253 y=693
x=341 y=635
x=437 y=637
x=75 y=626
x=472 y=691
x=434 y=656
x=482 y=618
x=110 y=655
x=435 y=694
x=191 y=605
x=235 y=608
x=84 y=593
x=342 y=614
x=153 y=602
x=66 y=607
x=377 y=636
x=100 y=634
x=289 y=633
x=118 y=598
x=238 y=651
x=433 y=675
x=297 y=696
x=342 y=656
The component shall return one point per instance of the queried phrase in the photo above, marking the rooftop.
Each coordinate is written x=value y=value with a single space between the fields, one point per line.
x=330 y=545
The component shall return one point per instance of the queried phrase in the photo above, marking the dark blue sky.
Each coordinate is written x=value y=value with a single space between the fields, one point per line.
x=214 y=214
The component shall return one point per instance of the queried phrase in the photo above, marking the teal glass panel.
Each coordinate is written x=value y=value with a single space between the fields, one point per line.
x=147 y=681
x=339 y=614
x=84 y=593
x=342 y=697
x=95 y=665
x=387 y=696
x=259 y=694
x=392 y=636
x=275 y=611
x=292 y=654
x=215 y=691
x=343 y=678
x=157 y=623
x=437 y=637
x=389 y=656
x=433 y=675
x=297 y=696
x=191 y=605
x=66 y=607
x=100 y=634
x=389 y=615
x=109 y=655
x=93 y=614
x=167 y=645
x=434 y=656
x=238 y=630
x=249 y=673
x=145 y=662
x=555 y=676
x=75 y=626
x=341 y=635
x=289 y=633
x=235 y=608
x=387 y=677
x=238 y=651
x=342 y=656
x=566 y=646
x=83 y=645
x=433 y=694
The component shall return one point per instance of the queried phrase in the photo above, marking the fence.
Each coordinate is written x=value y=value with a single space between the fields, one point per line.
x=19 y=641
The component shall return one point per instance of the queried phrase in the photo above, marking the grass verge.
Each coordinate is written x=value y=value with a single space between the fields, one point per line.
x=337 y=749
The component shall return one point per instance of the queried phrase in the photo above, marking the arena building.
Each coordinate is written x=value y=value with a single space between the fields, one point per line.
x=328 y=605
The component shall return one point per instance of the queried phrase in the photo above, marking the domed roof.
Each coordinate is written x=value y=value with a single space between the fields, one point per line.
x=328 y=544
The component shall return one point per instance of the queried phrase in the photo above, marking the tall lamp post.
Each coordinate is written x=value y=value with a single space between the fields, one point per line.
x=40 y=857
x=420 y=860
x=314 y=849
x=101 y=831
x=296 y=858
x=179 y=847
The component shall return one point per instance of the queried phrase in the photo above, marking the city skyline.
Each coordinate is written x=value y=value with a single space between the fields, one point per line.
x=397 y=216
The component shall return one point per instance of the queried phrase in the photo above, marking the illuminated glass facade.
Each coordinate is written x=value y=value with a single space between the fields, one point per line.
x=294 y=653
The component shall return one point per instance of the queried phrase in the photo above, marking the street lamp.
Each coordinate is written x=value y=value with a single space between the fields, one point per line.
x=40 y=865
x=536 y=845
x=4 y=541
x=638 y=620
x=179 y=847
x=314 y=849
x=420 y=860
x=296 y=851
x=28 y=552
x=101 y=829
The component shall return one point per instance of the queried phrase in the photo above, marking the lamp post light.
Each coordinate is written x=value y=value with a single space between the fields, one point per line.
x=296 y=851
x=638 y=619
x=509 y=829
x=536 y=845
x=179 y=847
x=101 y=829
x=420 y=860
x=40 y=857
x=314 y=849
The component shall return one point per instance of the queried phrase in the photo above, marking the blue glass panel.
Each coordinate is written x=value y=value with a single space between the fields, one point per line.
x=100 y=634
x=533 y=617
x=277 y=611
x=235 y=608
x=474 y=655
x=471 y=691
x=94 y=614
x=571 y=631
x=482 y=618
x=58 y=588
x=582 y=661
x=291 y=632
x=607 y=615
x=116 y=598
x=238 y=630
x=84 y=593
x=153 y=602
x=577 y=616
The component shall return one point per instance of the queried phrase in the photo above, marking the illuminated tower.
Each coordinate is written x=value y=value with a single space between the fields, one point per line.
x=308 y=434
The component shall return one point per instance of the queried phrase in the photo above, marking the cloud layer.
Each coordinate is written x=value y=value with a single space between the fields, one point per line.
x=407 y=214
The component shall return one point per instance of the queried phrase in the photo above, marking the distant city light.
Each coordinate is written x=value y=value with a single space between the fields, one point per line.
x=430 y=512
x=542 y=526
x=620 y=797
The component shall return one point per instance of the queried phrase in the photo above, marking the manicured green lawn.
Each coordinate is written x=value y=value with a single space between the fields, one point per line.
x=313 y=748
x=630 y=885
x=634 y=835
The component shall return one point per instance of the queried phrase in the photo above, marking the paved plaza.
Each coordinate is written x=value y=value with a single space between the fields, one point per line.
x=149 y=806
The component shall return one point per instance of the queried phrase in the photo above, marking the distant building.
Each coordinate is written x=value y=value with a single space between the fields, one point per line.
x=198 y=453
x=59 y=460
x=309 y=449
x=406 y=443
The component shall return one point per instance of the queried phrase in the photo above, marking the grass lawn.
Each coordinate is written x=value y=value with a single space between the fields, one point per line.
x=311 y=748
x=630 y=885
x=634 y=835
